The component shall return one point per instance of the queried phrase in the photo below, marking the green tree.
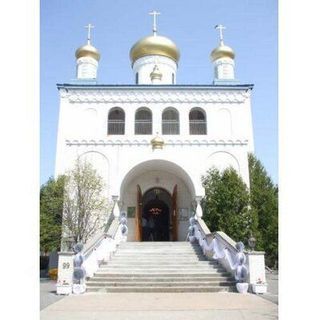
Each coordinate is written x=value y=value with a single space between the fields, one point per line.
x=226 y=204
x=85 y=205
x=264 y=200
x=51 y=208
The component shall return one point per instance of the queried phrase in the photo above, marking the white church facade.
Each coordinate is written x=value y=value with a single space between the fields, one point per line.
x=153 y=140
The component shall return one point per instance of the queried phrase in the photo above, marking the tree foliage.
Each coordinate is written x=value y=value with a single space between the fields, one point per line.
x=85 y=205
x=226 y=204
x=264 y=199
x=51 y=208
x=230 y=207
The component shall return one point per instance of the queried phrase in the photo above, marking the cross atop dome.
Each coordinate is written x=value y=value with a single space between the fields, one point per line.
x=89 y=27
x=154 y=14
x=220 y=27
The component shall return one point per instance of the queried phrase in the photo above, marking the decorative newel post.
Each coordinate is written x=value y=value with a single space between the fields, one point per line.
x=199 y=212
x=116 y=210
x=65 y=267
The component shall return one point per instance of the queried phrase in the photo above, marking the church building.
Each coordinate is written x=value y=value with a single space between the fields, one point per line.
x=154 y=139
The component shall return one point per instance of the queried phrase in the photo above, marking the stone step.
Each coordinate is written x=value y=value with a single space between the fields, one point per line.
x=165 y=273
x=157 y=260
x=162 y=274
x=148 y=279
x=161 y=289
x=161 y=256
x=160 y=267
x=155 y=270
x=158 y=263
x=160 y=284
x=157 y=252
x=157 y=243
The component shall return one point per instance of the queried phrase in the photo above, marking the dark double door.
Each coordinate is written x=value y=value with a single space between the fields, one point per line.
x=155 y=221
x=156 y=216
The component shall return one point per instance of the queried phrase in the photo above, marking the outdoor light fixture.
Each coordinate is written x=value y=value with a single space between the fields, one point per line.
x=69 y=243
x=252 y=242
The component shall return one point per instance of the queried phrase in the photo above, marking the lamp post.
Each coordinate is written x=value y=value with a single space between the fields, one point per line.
x=69 y=243
x=252 y=242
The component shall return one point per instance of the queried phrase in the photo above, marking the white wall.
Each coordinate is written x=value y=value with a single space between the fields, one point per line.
x=184 y=158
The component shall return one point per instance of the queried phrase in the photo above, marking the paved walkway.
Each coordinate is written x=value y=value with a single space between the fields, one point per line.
x=48 y=293
x=161 y=306
x=272 y=280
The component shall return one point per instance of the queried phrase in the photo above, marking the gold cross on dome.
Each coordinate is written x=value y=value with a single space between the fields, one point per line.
x=154 y=14
x=89 y=27
x=220 y=27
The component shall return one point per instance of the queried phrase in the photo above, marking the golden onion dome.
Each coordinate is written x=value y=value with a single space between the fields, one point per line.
x=88 y=51
x=222 y=51
x=154 y=45
x=157 y=142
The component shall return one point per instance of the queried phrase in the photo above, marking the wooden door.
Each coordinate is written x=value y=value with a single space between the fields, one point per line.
x=138 y=217
x=174 y=214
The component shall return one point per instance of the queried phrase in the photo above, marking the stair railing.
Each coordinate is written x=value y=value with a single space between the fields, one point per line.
x=105 y=246
x=219 y=246
x=99 y=249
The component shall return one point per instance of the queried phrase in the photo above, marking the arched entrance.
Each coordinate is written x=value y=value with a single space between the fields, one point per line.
x=156 y=209
x=139 y=185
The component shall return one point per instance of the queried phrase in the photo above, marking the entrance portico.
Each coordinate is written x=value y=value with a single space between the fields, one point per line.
x=152 y=186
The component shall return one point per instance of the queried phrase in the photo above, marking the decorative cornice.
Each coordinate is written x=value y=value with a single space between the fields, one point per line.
x=154 y=96
x=144 y=142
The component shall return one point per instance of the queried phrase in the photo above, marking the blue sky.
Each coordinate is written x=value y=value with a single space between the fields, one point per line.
x=252 y=31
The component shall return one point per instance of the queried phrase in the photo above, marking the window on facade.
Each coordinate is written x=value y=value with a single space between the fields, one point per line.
x=172 y=78
x=143 y=122
x=170 y=122
x=137 y=78
x=116 y=121
x=197 y=122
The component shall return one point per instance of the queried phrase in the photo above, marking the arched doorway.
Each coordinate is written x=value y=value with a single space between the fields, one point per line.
x=157 y=211
x=158 y=174
x=156 y=205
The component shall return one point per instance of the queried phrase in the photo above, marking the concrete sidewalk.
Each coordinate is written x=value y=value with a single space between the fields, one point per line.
x=161 y=306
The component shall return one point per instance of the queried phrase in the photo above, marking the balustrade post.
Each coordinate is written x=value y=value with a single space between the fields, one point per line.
x=257 y=271
x=199 y=212
x=65 y=273
x=116 y=210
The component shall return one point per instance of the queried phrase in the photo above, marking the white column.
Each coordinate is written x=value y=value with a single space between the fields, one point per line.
x=116 y=210
x=199 y=212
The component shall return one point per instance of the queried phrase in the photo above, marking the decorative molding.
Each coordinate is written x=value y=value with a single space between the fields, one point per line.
x=64 y=93
x=156 y=96
x=144 y=142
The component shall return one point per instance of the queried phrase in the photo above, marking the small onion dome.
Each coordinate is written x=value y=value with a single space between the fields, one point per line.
x=157 y=142
x=156 y=74
x=222 y=51
x=88 y=51
x=154 y=45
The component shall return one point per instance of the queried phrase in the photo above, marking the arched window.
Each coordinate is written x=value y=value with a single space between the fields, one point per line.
x=137 y=77
x=197 y=121
x=116 y=121
x=170 y=122
x=143 y=122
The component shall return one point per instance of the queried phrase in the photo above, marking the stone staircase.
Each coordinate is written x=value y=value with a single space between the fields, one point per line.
x=160 y=267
